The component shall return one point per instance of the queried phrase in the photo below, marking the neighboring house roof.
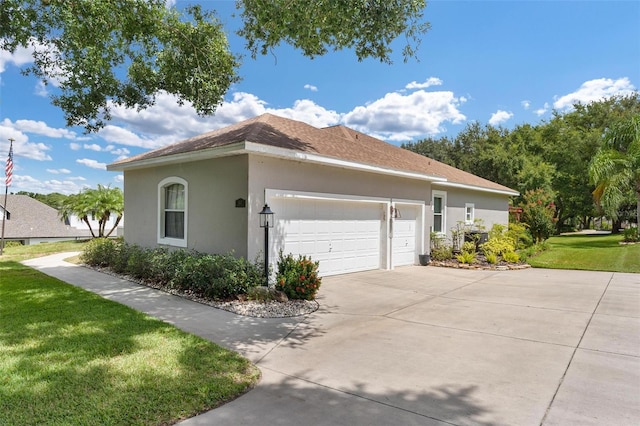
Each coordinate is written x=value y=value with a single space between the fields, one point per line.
x=268 y=134
x=30 y=218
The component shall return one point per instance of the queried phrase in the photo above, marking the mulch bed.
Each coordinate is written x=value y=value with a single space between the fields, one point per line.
x=480 y=263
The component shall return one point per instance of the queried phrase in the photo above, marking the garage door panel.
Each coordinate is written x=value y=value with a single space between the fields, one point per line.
x=404 y=237
x=344 y=236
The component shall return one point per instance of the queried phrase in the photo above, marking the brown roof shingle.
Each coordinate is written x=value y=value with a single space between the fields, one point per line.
x=29 y=218
x=338 y=142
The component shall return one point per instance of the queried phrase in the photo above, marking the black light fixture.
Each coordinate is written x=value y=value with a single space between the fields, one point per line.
x=266 y=222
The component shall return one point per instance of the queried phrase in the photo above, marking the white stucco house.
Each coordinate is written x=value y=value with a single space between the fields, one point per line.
x=350 y=201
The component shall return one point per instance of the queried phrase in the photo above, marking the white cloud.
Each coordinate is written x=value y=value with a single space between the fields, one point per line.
x=122 y=136
x=21 y=145
x=525 y=104
x=119 y=178
x=39 y=128
x=41 y=89
x=92 y=163
x=59 y=171
x=311 y=87
x=500 y=117
x=399 y=117
x=308 y=112
x=121 y=152
x=30 y=184
x=543 y=110
x=75 y=146
x=18 y=58
x=395 y=116
x=93 y=147
x=431 y=81
x=595 y=90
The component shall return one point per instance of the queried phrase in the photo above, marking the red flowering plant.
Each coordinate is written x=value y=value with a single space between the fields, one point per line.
x=298 y=278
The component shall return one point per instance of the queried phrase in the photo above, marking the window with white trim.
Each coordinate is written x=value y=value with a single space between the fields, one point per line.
x=469 y=213
x=439 y=207
x=172 y=212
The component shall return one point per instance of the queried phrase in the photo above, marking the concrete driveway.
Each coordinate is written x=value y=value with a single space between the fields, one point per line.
x=428 y=346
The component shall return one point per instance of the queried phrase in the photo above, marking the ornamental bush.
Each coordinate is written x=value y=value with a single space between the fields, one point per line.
x=298 y=278
x=101 y=252
x=210 y=275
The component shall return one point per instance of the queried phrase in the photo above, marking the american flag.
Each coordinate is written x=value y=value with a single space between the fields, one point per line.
x=8 y=170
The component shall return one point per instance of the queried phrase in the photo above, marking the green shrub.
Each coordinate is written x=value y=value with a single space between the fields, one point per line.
x=297 y=278
x=511 y=257
x=538 y=212
x=467 y=257
x=8 y=244
x=441 y=253
x=216 y=276
x=492 y=258
x=101 y=252
x=497 y=231
x=630 y=235
x=498 y=246
x=520 y=235
x=166 y=263
x=469 y=247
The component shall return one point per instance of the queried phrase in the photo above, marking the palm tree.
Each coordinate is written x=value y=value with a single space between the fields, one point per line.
x=615 y=169
x=98 y=203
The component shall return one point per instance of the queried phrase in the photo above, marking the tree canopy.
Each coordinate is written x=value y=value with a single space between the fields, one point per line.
x=98 y=203
x=554 y=155
x=103 y=53
x=615 y=169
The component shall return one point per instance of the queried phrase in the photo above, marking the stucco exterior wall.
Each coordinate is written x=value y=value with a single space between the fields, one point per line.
x=215 y=224
x=489 y=208
x=272 y=173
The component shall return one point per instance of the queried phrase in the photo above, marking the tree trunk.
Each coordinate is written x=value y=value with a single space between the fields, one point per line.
x=616 y=224
x=85 y=219
x=115 y=225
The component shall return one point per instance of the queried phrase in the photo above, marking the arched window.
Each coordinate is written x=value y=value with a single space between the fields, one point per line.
x=172 y=211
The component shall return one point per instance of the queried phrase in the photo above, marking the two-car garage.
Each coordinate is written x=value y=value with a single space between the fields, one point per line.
x=347 y=234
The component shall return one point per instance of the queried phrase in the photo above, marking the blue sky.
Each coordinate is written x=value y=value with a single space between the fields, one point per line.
x=502 y=62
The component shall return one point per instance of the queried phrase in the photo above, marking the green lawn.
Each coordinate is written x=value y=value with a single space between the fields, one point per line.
x=70 y=357
x=20 y=253
x=589 y=252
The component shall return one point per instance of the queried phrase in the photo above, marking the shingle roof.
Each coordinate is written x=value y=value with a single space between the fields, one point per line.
x=29 y=218
x=338 y=142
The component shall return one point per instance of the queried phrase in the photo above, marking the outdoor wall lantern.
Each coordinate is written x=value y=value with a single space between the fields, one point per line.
x=266 y=222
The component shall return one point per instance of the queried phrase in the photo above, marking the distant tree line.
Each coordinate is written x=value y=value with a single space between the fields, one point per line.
x=554 y=156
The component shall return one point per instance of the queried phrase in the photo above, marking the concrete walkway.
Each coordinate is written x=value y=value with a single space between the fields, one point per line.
x=424 y=346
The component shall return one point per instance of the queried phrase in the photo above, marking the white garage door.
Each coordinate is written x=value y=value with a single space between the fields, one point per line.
x=404 y=236
x=343 y=236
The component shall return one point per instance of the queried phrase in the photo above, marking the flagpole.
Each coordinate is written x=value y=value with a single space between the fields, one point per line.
x=8 y=173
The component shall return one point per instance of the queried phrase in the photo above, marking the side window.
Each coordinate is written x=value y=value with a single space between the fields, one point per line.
x=438 y=205
x=469 y=213
x=172 y=212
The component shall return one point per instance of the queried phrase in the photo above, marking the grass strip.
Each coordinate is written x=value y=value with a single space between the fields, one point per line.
x=589 y=252
x=70 y=357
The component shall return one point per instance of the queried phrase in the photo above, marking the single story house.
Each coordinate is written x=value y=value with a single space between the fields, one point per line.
x=30 y=221
x=348 y=200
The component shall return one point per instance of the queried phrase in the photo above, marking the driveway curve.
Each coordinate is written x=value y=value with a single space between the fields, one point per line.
x=424 y=346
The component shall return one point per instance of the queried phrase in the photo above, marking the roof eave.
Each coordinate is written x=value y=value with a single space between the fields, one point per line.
x=509 y=192
x=185 y=157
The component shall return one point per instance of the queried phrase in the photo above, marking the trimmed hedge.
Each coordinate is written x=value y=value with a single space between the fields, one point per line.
x=209 y=275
